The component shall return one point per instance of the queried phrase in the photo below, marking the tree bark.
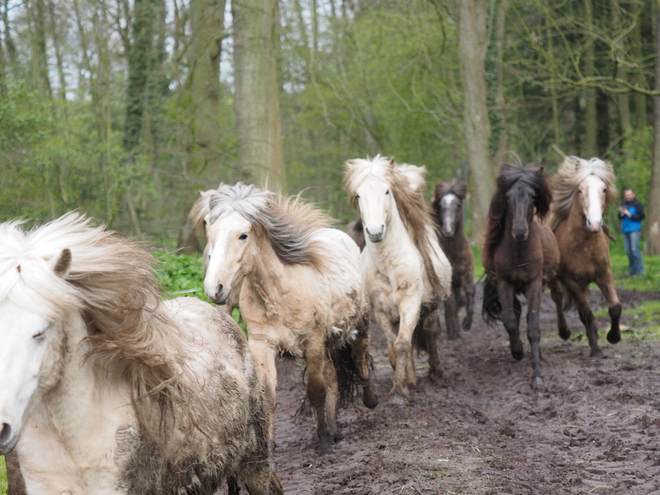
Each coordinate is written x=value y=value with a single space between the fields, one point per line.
x=591 y=121
x=641 y=118
x=473 y=44
x=260 y=155
x=653 y=212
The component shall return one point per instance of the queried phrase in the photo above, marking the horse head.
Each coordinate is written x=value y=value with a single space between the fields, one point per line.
x=448 y=205
x=33 y=340
x=592 y=192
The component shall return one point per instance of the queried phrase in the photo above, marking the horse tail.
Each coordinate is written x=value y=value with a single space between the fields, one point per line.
x=491 y=309
x=348 y=378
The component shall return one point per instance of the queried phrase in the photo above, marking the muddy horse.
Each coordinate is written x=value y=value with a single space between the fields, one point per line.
x=520 y=255
x=582 y=190
x=447 y=207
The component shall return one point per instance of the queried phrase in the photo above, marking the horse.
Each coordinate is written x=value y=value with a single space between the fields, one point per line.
x=301 y=293
x=447 y=206
x=583 y=189
x=520 y=255
x=405 y=271
x=120 y=391
x=355 y=230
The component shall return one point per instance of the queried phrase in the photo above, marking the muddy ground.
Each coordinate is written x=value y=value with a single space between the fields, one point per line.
x=480 y=429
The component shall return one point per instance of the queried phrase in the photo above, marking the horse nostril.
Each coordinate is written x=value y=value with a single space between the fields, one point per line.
x=218 y=293
x=5 y=433
x=367 y=230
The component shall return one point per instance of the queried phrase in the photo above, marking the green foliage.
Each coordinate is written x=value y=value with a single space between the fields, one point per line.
x=3 y=476
x=636 y=173
x=648 y=281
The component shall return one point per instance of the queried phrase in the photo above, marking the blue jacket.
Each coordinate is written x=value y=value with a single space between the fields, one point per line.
x=632 y=223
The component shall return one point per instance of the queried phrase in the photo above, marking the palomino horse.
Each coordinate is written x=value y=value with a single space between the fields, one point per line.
x=300 y=293
x=109 y=390
x=405 y=272
x=447 y=205
x=582 y=191
x=520 y=254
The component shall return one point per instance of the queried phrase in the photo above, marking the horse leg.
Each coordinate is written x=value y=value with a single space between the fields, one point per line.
x=404 y=372
x=15 y=482
x=533 y=293
x=331 y=397
x=361 y=358
x=389 y=330
x=511 y=317
x=469 y=289
x=316 y=360
x=586 y=315
x=558 y=298
x=261 y=479
x=451 y=318
x=264 y=360
x=430 y=336
x=606 y=286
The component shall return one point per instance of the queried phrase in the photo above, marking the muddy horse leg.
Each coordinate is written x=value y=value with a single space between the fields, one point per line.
x=331 y=397
x=606 y=286
x=390 y=331
x=533 y=294
x=15 y=482
x=511 y=317
x=468 y=288
x=260 y=479
x=316 y=390
x=361 y=358
x=404 y=372
x=586 y=315
x=264 y=360
x=558 y=298
x=451 y=318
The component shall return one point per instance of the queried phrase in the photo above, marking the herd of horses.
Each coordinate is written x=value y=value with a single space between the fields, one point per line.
x=108 y=388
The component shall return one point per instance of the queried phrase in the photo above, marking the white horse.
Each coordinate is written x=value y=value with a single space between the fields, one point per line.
x=300 y=292
x=405 y=271
x=106 y=389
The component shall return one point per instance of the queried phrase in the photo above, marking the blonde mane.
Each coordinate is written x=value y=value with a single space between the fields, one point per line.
x=571 y=173
x=407 y=183
x=200 y=209
x=112 y=284
x=288 y=223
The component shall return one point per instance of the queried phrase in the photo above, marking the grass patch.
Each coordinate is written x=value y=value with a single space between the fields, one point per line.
x=648 y=281
x=3 y=476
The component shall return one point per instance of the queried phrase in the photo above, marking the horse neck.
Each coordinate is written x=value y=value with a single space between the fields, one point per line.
x=269 y=272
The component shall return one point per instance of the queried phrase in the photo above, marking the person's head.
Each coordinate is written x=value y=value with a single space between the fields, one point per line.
x=628 y=194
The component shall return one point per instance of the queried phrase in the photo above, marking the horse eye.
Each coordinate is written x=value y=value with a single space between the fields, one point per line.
x=388 y=191
x=40 y=335
x=580 y=191
x=209 y=256
x=604 y=190
x=357 y=196
x=242 y=237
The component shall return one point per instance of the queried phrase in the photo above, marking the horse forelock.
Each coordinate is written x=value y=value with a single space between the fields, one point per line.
x=571 y=173
x=358 y=170
x=288 y=223
x=111 y=283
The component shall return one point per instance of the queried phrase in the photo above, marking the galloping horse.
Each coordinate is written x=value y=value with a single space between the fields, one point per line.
x=447 y=204
x=109 y=390
x=300 y=292
x=520 y=254
x=405 y=272
x=582 y=190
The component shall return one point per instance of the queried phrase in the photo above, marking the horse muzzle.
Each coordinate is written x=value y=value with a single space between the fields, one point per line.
x=221 y=295
x=520 y=235
x=8 y=439
x=594 y=227
x=376 y=236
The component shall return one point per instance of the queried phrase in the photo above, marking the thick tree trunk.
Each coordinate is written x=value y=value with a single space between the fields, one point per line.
x=473 y=43
x=641 y=119
x=653 y=213
x=591 y=121
x=260 y=155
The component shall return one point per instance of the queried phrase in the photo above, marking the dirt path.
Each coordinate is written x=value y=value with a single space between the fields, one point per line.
x=480 y=429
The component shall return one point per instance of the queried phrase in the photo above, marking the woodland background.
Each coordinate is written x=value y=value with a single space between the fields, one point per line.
x=125 y=108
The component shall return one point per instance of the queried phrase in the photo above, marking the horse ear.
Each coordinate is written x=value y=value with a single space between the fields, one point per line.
x=540 y=171
x=62 y=264
x=392 y=163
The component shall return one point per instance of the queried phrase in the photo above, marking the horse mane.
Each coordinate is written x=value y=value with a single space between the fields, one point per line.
x=407 y=184
x=532 y=178
x=112 y=284
x=287 y=222
x=456 y=187
x=572 y=171
x=200 y=209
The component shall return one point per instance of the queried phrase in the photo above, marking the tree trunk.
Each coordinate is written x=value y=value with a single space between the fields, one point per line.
x=39 y=56
x=623 y=99
x=591 y=120
x=477 y=129
x=54 y=32
x=641 y=119
x=260 y=155
x=653 y=212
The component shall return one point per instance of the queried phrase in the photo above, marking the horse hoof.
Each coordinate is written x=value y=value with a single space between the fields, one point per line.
x=370 y=399
x=517 y=351
x=565 y=334
x=397 y=399
x=325 y=449
x=454 y=337
x=467 y=325
x=537 y=383
x=596 y=352
x=614 y=337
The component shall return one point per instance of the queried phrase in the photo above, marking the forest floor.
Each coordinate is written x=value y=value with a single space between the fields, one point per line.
x=481 y=429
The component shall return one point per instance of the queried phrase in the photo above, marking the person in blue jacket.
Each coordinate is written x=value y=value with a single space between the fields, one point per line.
x=632 y=213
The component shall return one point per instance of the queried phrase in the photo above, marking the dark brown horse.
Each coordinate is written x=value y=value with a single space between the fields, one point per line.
x=583 y=189
x=355 y=230
x=520 y=254
x=447 y=205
